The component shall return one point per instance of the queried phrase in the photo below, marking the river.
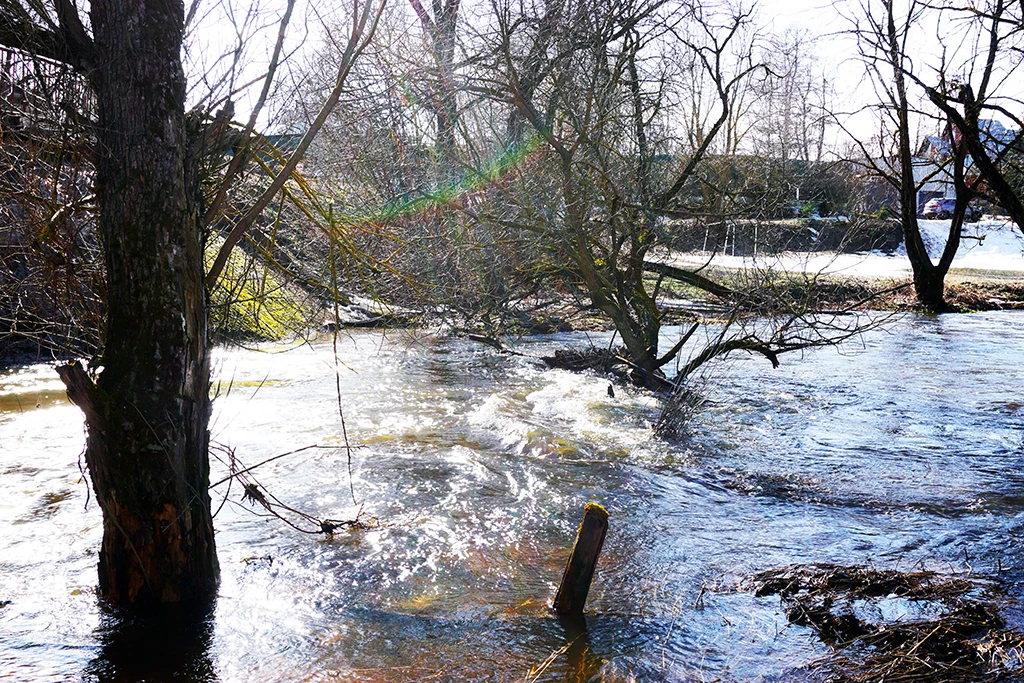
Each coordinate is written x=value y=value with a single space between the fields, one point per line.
x=900 y=449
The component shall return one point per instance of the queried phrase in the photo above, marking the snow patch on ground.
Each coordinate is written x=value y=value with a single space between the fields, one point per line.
x=987 y=245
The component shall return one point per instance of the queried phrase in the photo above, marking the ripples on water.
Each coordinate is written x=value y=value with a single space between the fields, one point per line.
x=899 y=450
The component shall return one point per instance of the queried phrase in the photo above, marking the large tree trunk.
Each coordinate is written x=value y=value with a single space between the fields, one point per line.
x=148 y=411
x=928 y=278
x=929 y=286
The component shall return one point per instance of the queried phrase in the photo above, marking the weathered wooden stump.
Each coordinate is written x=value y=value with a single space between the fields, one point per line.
x=579 y=571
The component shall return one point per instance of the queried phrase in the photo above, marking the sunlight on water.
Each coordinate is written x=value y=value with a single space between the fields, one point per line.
x=904 y=449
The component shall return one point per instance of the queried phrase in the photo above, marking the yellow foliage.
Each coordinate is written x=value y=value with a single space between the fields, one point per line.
x=249 y=303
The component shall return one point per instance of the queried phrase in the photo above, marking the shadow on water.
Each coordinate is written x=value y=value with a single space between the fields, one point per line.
x=579 y=658
x=164 y=644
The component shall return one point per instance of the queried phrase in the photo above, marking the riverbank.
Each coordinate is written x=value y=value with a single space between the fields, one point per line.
x=987 y=275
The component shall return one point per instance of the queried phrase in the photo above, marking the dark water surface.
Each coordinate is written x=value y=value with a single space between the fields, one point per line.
x=902 y=450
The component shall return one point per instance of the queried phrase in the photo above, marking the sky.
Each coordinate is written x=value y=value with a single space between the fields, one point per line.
x=825 y=23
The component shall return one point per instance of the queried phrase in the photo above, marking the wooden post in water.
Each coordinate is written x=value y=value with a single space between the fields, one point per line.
x=579 y=571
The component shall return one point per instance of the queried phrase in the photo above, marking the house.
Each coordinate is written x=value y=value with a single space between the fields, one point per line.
x=932 y=179
x=932 y=173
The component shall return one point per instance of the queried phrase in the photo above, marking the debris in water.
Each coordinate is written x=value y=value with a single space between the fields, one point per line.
x=590 y=358
x=328 y=526
x=254 y=494
x=945 y=628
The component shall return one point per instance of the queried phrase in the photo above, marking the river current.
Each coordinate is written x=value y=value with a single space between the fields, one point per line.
x=901 y=449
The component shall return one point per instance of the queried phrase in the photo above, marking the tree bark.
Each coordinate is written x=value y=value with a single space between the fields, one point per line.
x=148 y=411
x=928 y=278
x=929 y=286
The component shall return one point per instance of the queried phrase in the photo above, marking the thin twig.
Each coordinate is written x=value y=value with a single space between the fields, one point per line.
x=271 y=459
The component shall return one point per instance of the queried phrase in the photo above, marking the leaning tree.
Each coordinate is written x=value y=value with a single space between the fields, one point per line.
x=602 y=92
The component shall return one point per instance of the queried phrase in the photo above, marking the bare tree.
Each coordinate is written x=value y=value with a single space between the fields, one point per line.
x=883 y=35
x=596 y=87
x=440 y=30
x=968 y=96
x=791 y=117
x=147 y=410
x=954 y=90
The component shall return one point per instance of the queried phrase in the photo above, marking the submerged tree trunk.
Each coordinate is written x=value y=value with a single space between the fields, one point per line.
x=148 y=411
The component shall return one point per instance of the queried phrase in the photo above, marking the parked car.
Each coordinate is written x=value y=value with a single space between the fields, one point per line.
x=942 y=209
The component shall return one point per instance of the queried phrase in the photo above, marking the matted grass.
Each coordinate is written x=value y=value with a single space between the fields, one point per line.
x=899 y=627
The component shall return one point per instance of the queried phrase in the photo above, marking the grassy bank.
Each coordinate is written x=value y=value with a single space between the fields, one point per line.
x=966 y=290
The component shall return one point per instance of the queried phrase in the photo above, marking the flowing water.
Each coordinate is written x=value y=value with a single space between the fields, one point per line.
x=899 y=450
